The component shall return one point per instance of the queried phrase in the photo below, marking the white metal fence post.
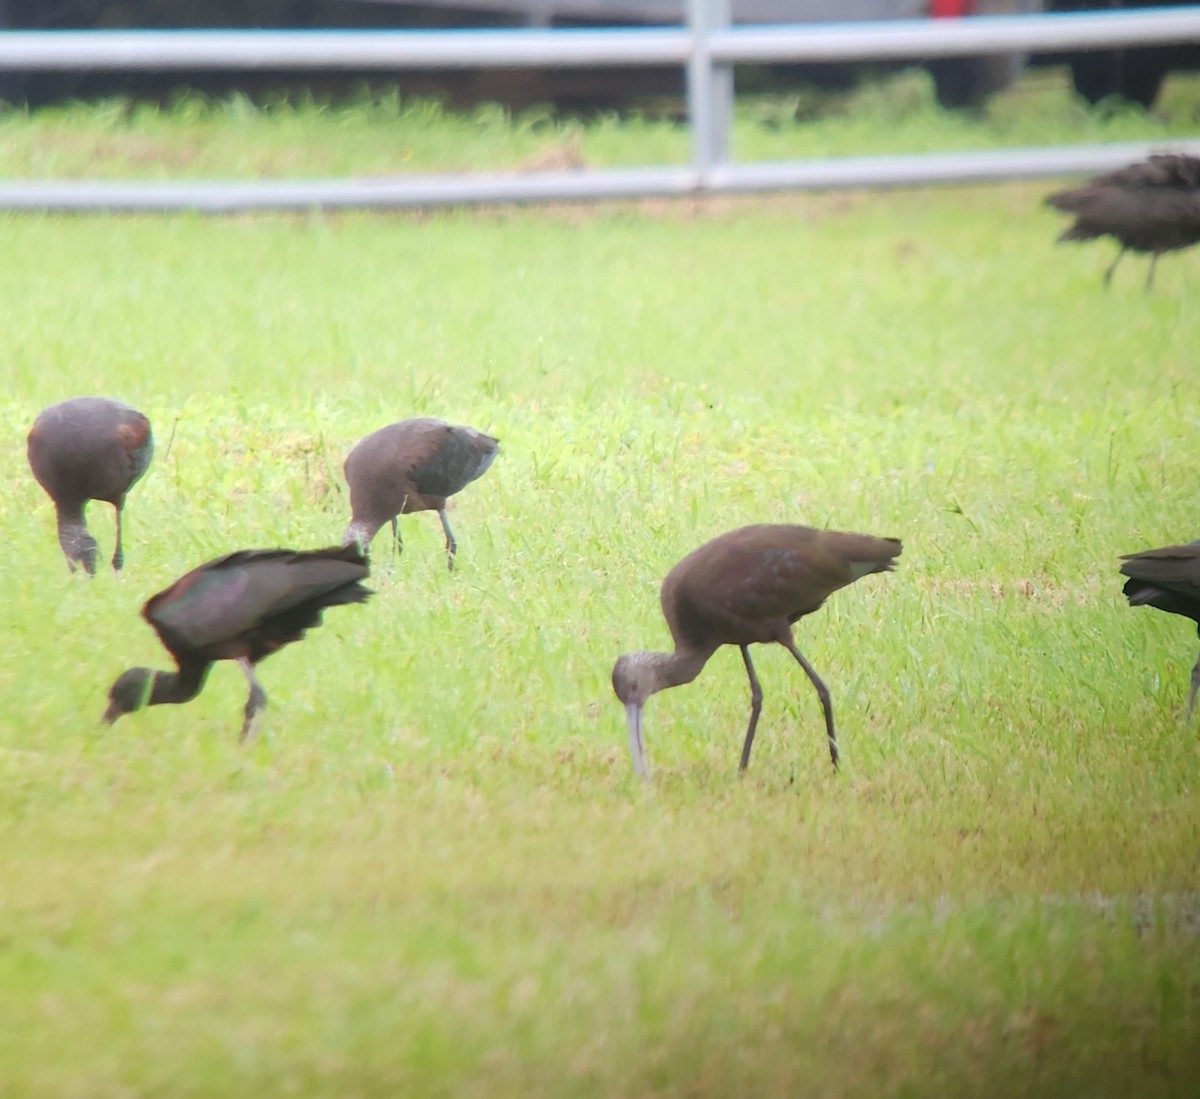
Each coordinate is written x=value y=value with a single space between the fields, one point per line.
x=709 y=90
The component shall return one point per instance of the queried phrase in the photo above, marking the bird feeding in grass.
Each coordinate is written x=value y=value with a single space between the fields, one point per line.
x=242 y=607
x=1150 y=206
x=745 y=587
x=1167 y=579
x=88 y=448
x=414 y=465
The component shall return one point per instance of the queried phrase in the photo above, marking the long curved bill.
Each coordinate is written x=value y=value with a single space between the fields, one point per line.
x=637 y=749
x=111 y=714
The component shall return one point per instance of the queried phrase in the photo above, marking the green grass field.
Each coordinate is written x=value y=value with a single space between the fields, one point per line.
x=434 y=873
x=376 y=133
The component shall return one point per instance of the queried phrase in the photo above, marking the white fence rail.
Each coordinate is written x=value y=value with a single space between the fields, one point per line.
x=708 y=46
x=633 y=46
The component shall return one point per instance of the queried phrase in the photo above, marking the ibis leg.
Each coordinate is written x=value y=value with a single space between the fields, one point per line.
x=1150 y=276
x=756 y=697
x=451 y=544
x=397 y=543
x=118 y=554
x=823 y=695
x=254 y=703
x=1195 y=688
x=1112 y=267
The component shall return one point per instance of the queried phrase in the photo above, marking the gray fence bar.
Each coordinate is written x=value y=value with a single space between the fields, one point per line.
x=26 y=50
x=954 y=37
x=385 y=49
x=437 y=191
x=993 y=165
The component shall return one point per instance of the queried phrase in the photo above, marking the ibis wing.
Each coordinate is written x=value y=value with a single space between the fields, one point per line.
x=462 y=456
x=137 y=440
x=1146 y=221
x=226 y=597
x=1158 y=170
x=783 y=583
x=748 y=584
x=1150 y=206
x=1174 y=568
x=1161 y=170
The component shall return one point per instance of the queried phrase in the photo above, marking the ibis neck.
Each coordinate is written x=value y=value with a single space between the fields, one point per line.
x=78 y=545
x=360 y=531
x=176 y=687
x=680 y=667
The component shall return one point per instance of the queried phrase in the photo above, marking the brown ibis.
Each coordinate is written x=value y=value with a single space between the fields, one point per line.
x=88 y=448
x=1167 y=579
x=1152 y=205
x=242 y=607
x=414 y=465
x=744 y=587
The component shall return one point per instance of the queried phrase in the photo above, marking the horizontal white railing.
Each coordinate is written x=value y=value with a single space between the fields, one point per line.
x=81 y=196
x=571 y=48
x=708 y=47
x=957 y=37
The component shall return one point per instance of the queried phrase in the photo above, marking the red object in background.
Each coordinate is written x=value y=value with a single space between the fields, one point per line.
x=948 y=9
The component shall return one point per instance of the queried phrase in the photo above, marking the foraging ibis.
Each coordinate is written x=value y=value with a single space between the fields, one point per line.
x=242 y=607
x=1150 y=206
x=88 y=448
x=414 y=465
x=746 y=586
x=1167 y=579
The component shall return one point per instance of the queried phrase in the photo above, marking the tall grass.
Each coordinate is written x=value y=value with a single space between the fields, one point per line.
x=434 y=873
x=380 y=133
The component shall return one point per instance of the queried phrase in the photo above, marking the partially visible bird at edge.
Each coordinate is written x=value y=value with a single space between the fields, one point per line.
x=413 y=465
x=745 y=587
x=88 y=448
x=1150 y=206
x=1167 y=579
x=241 y=607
